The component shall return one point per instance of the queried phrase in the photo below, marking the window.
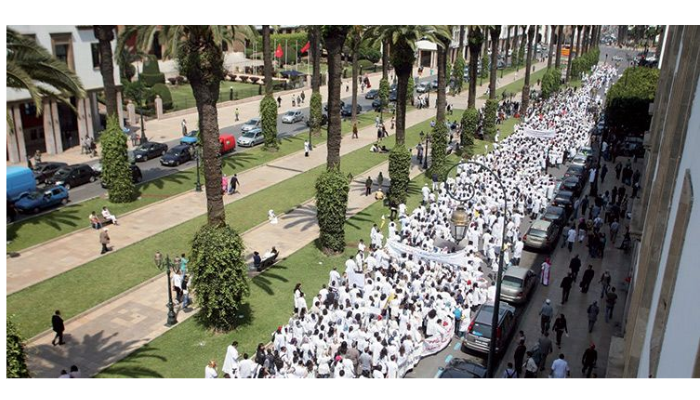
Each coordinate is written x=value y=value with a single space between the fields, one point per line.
x=95 y=48
x=62 y=44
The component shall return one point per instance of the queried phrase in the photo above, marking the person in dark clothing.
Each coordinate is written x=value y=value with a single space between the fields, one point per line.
x=257 y=261
x=603 y=172
x=560 y=327
x=587 y=278
x=574 y=267
x=589 y=360
x=233 y=184
x=593 y=311
x=519 y=356
x=58 y=327
x=565 y=286
x=368 y=186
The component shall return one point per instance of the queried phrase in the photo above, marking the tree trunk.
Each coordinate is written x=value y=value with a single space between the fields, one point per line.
x=495 y=33
x=525 y=101
x=355 y=73
x=315 y=55
x=267 y=59
x=105 y=35
x=442 y=82
x=505 y=59
x=560 y=40
x=475 y=41
x=334 y=45
x=586 y=29
x=404 y=69
x=385 y=59
x=578 y=41
x=552 y=34
x=460 y=49
x=571 y=53
x=514 y=60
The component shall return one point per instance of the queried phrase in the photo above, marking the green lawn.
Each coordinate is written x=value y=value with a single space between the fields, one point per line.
x=517 y=86
x=184 y=350
x=97 y=281
x=64 y=220
x=183 y=98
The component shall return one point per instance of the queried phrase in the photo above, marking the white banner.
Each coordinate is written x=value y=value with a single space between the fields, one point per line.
x=537 y=134
x=436 y=343
x=459 y=258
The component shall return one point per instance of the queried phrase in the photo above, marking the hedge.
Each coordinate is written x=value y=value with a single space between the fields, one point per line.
x=627 y=107
x=164 y=93
x=151 y=74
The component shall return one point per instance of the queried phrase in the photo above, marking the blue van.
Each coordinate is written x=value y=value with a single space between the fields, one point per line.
x=20 y=181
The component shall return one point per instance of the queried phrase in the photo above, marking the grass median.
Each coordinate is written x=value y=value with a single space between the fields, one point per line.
x=90 y=284
x=517 y=86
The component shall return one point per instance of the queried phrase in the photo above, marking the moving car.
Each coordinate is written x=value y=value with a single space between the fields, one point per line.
x=462 y=368
x=517 y=283
x=372 y=94
x=542 y=235
x=20 y=181
x=253 y=123
x=251 y=138
x=342 y=104
x=136 y=176
x=434 y=84
x=149 y=150
x=423 y=87
x=393 y=95
x=177 y=155
x=41 y=199
x=97 y=167
x=44 y=170
x=292 y=116
x=72 y=176
x=227 y=142
x=189 y=138
x=377 y=103
x=346 y=111
x=480 y=332
x=324 y=120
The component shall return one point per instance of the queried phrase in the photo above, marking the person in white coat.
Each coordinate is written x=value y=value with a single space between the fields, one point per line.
x=210 y=370
x=230 y=367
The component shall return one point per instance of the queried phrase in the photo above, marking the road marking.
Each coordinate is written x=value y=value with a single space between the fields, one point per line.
x=448 y=359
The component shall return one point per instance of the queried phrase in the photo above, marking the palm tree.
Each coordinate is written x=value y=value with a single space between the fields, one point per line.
x=578 y=40
x=460 y=49
x=438 y=151
x=560 y=40
x=508 y=28
x=528 y=67
x=476 y=38
x=267 y=59
x=571 y=53
x=514 y=58
x=355 y=40
x=334 y=37
x=268 y=106
x=200 y=58
x=105 y=35
x=315 y=111
x=495 y=31
x=32 y=68
x=552 y=35
x=386 y=53
x=584 y=39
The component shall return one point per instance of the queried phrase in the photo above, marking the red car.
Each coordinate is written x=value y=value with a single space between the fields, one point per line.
x=228 y=143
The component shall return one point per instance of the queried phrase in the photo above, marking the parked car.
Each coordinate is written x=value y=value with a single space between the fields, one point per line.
x=292 y=116
x=177 y=155
x=573 y=184
x=462 y=368
x=582 y=160
x=393 y=95
x=227 y=142
x=434 y=84
x=586 y=151
x=574 y=170
x=377 y=103
x=372 y=94
x=136 y=176
x=565 y=200
x=189 y=138
x=632 y=146
x=41 y=199
x=423 y=87
x=45 y=170
x=72 y=176
x=20 y=181
x=517 y=284
x=346 y=111
x=251 y=124
x=480 y=332
x=324 y=120
x=97 y=167
x=342 y=104
x=542 y=235
x=149 y=150
x=251 y=138
x=556 y=215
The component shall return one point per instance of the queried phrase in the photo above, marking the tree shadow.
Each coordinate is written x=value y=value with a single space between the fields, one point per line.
x=238 y=161
x=264 y=280
x=55 y=219
x=305 y=215
x=170 y=176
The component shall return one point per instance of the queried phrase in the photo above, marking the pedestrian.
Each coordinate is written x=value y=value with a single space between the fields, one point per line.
x=614 y=228
x=545 y=348
x=610 y=300
x=58 y=327
x=307 y=147
x=458 y=319
x=593 y=311
x=565 y=286
x=530 y=366
x=237 y=114
x=587 y=279
x=574 y=267
x=589 y=360
x=183 y=264
x=177 y=285
x=603 y=172
x=545 y=272
x=560 y=368
x=393 y=121
x=185 y=292
x=183 y=124
x=368 y=186
x=354 y=131
x=519 y=356
x=571 y=237
x=376 y=122
x=436 y=181
x=210 y=370
x=303 y=97
x=604 y=283
x=380 y=180
x=546 y=313
x=298 y=101
x=104 y=240
x=279 y=101
x=380 y=134
x=560 y=328
x=233 y=184
x=74 y=372
x=294 y=101
x=108 y=216
x=510 y=372
x=618 y=171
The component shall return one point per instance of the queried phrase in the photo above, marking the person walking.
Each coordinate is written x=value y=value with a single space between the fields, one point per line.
x=546 y=313
x=603 y=172
x=545 y=348
x=58 y=327
x=279 y=101
x=104 y=240
x=574 y=267
x=237 y=114
x=587 y=278
x=610 y=300
x=354 y=131
x=560 y=328
x=368 y=186
x=560 y=368
x=530 y=366
x=380 y=180
x=565 y=286
x=519 y=356
x=233 y=184
x=604 y=283
x=593 y=312
x=589 y=360
x=571 y=237
x=307 y=147
x=510 y=372
x=545 y=272
x=303 y=97
x=183 y=124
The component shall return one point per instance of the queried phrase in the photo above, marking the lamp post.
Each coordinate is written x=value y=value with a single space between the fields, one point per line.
x=460 y=222
x=158 y=260
x=425 y=157
x=143 y=128
x=197 y=153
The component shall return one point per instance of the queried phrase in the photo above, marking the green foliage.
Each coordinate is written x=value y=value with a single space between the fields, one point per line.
x=384 y=90
x=116 y=173
x=438 y=158
x=469 y=123
x=515 y=58
x=490 y=110
x=458 y=73
x=219 y=275
x=161 y=90
x=365 y=65
x=268 y=115
x=316 y=113
x=151 y=72
x=485 y=62
x=410 y=89
x=136 y=92
x=551 y=81
x=584 y=63
x=448 y=72
x=399 y=170
x=331 y=206
x=16 y=355
x=369 y=51
x=628 y=100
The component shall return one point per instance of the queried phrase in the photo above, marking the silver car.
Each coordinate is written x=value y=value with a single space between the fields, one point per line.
x=517 y=283
x=423 y=87
x=542 y=235
x=479 y=333
x=251 y=138
x=251 y=124
x=292 y=116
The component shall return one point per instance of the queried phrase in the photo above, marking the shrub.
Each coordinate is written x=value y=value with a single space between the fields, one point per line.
x=244 y=78
x=219 y=276
x=469 y=123
x=165 y=95
x=233 y=77
x=439 y=148
x=371 y=54
x=268 y=113
x=485 y=61
x=458 y=73
x=490 y=110
x=173 y=81
x=628 y=100
x=399 y=170
x=254 y=79
x=151 y=72
x=331 y=206
x=315 y=114
x=116 y=173
x=16 y=354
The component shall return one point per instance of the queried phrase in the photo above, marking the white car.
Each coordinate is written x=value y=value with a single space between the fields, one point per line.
x=252 y=124
x=291 y=117
x=251 y=138
x=423 y=87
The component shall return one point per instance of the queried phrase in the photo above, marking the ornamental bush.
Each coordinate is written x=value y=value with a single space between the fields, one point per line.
x=151 y=72
x=316 y=113
x=399 y=170
x=16 y=354
x=332 y=189
x=627 y=105
x=469 y=123
x=490 y=110
x=485 y=62
x=116 y=172
x=550 y=82
x=458 y=73
x=268 y=115
x=384 y=92
x=438 y=157
x=161 y=90
x=219 y=276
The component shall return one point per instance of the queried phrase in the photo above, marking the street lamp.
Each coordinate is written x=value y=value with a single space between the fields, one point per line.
x=197 y=153
x=427 y=146
x=460 y=222
x=158 y=260
x=143 y=129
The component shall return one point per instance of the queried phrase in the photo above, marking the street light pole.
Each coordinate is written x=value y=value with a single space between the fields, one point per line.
x=158 y=259
x=143 y=129
x=425 y=157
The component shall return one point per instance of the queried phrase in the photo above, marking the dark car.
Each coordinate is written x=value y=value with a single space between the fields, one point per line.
x=45 y=170
x=72 y=176
x=149 y=150
x=575 y=170
x=136 y=176
x=573 y=184
x=565 y=200
x=342 y=104
x=555 y=215
x=461 y=368
x=41 y=199
x=393 y=95
x=346 y=111
x=377 y=103
x=324 y=120
x=632 y=147
x=177 y=155
x=480 y=332
x=372 y=94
